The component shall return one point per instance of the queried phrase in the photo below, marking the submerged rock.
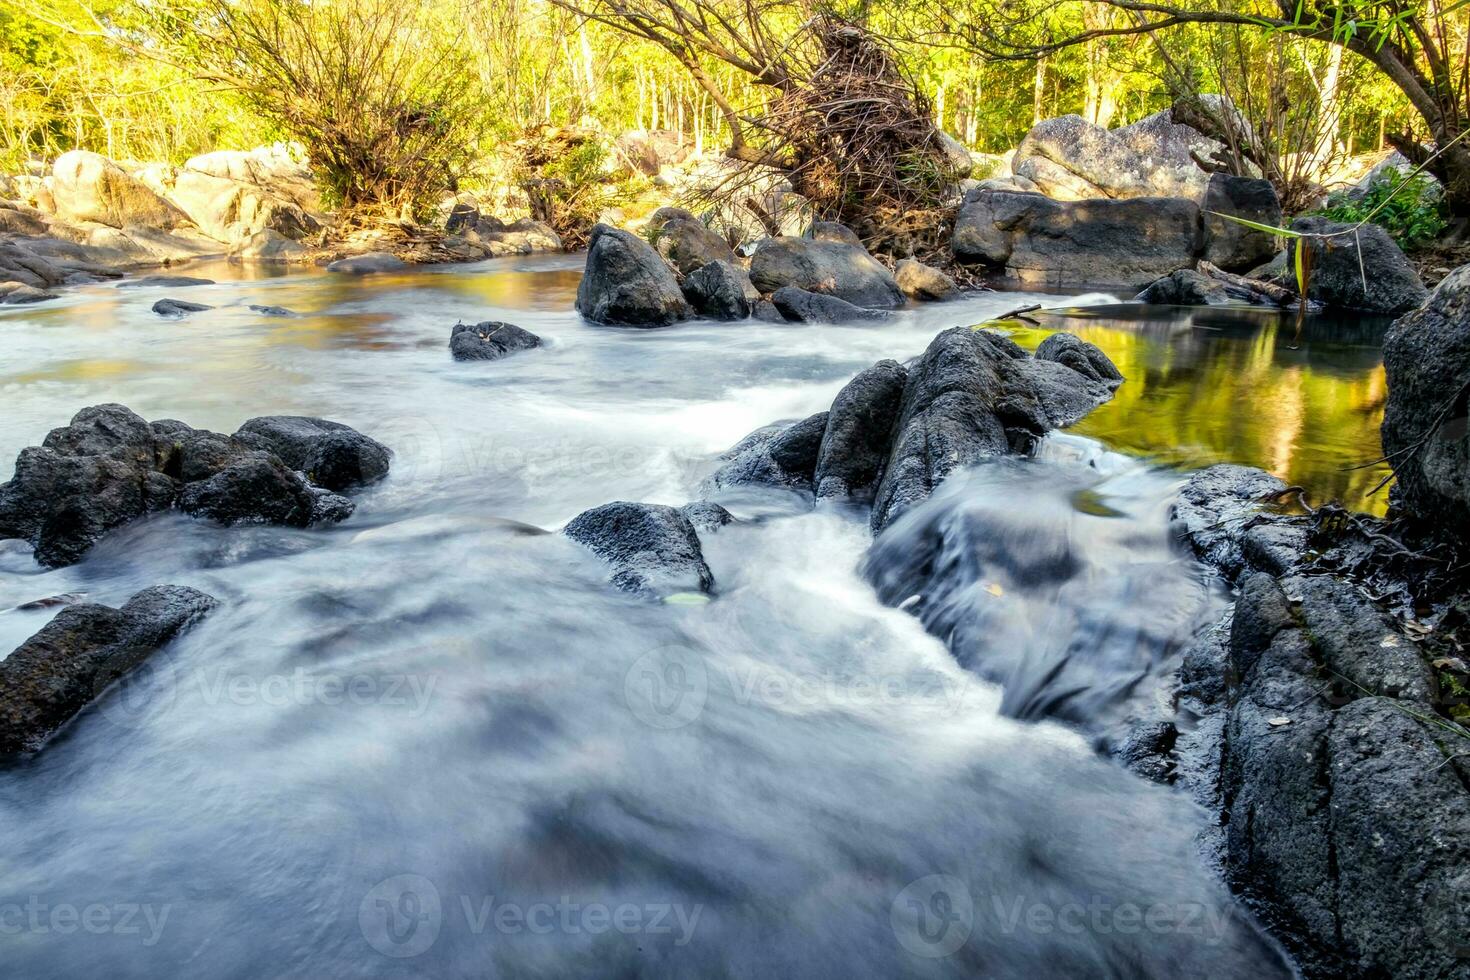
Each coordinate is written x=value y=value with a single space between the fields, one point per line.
x=367 y=264
x=653 y=549
x=801 y=306
x=72 y=660
x=489 y=341
x=178 y=307
x=1426 y=358
x=110 y=467
x=625 y=282
x=177 y=282
x=837 y=269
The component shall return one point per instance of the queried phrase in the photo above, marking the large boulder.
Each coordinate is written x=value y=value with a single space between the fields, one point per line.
x=280 y=170
x=653 y=549
x=332 y=455
x=88 y=187
x=1101 y=242
x=818 y=266
x=721 y=290
x=257 y=488
x=859 y=432
x=687 y=245
x=1426 y=433
x=50 y=677
x=1229 y=244
x=233 y=211
x=1071 y=159
x=1360 y=270
x=973 y=395
x=802 y=306
x=626 y=283
x=489 y=341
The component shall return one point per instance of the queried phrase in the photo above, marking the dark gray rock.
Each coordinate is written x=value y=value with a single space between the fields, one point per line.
x=653 y=549
x=489 y=340
x=19 y=294
x=270 y=310
x=1033 y=238
x=859 y=432
x=50 y=677
x=178 y=307
x=625 y=282
x=766 y=310
x=256 y=488
x=1229 y=244
x=797 y=305
x=1364 y=271
x=837 y=269
x=1148 y=749
x=1186 y=287
x=174 y=281
x=972 y=395
x=707 y=516
x=1426 y=422
x=775 y=456
x=721 y=290
x=687 y=245
x=1086 y=359
x=332 y=455
x=1214 y=508
x=367 y=264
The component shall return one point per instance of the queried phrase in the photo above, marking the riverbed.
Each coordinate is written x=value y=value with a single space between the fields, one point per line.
x=432 y=740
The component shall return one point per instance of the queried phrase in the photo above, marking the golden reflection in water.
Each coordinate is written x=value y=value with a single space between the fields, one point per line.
x=1215 y=387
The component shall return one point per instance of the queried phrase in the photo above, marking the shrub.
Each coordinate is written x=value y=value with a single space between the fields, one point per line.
x=1413 y=208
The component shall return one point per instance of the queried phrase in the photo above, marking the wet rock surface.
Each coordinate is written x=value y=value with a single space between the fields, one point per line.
x=489 y=340
x=627 y=283
x=109 y=467
x=653 y=549
x=721 y=290
x=799 y=305
x=178 y=307
x=53 y=675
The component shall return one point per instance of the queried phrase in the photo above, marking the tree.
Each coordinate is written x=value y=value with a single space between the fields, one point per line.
x=1420 y=46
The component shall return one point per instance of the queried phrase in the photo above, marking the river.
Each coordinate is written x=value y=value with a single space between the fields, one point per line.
x=432 y=741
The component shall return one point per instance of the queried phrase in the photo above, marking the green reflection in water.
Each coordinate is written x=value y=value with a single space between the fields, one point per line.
x=1242 y=386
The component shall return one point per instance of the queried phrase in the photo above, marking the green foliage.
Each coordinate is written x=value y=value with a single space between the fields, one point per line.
x=1411 y=209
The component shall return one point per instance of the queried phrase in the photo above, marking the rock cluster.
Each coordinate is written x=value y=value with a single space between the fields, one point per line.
x=109 y=467
x=489 y=340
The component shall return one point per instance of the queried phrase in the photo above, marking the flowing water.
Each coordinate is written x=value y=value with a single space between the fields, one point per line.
x=432 y=741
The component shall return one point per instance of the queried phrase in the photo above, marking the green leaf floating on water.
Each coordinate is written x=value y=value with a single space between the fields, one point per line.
x=686 y=599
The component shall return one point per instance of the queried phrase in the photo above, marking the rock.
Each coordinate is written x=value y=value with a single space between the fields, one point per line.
x=270 y=310
x=524 y=237
x=837 y=269
x=1426 y=359
x=859 y=432
x=233 y=211
x=178 y=307
x=16 y=293
x=766 y=310
x=835 y=231
x=707 y=516
x=489 y=341
x=775 y=456
x=687 y=245
x=1071 y=159
x=174 y=281
x=1086 y=359
x=1147 y=748
x=653 y=550
x=1186 y=287
x=954 y=155
x=721 y=290
x=50 y=677
x=1229 y=244
x=970 y=396
x=332 y=455
x=269 y=245
x=1381 y=281
x=800 y=306
x=367 y=264
x=1102 y=242
x=257 y=488
x=24 y=266
x=626 y=283
x=924 y=282
x=279 y=170
x=89 y=187
x=1213 y=508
